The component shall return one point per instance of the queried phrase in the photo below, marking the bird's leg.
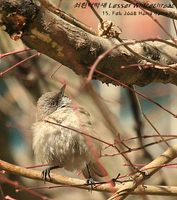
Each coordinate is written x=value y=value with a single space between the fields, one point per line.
x=90 y=179
x=46 y=173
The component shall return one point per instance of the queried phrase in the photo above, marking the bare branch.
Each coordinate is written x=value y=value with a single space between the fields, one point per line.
x=72 y=182
x=153 y=7
x=77 y=49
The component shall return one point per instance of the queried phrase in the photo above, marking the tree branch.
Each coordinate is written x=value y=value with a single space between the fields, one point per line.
x=147 y=172
x=155 y=8
x=78 y=183
x=49 y=34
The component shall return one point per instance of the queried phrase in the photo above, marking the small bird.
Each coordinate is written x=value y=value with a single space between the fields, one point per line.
x=61 y=147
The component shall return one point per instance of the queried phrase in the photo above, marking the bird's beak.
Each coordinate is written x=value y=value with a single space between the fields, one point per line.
x=62 y=90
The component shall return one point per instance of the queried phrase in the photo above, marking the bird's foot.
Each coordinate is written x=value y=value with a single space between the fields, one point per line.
x=46 y=173
x=90 y=182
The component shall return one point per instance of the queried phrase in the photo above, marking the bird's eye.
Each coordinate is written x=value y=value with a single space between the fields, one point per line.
x=53 y=103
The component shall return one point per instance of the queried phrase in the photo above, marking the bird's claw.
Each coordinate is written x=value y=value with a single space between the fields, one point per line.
x=90 y=182
x=44 y=175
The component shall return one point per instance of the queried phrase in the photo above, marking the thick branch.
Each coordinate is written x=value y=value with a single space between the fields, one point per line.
x=77 y=49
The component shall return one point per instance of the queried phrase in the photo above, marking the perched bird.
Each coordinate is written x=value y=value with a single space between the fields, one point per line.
x=59 y=146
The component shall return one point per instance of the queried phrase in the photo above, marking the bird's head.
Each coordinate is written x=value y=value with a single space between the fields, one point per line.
x=49 y=102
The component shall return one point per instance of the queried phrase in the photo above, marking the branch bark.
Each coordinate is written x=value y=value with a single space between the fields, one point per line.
x=44 y=31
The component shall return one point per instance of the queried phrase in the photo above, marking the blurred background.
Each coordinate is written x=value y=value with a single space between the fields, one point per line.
x=22 y=86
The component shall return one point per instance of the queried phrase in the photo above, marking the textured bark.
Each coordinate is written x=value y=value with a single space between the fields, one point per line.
x=75 y=48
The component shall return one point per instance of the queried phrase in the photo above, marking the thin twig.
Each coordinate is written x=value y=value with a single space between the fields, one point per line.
x=139 y=103
x=17 y=185
x=19 y=63
x=124 y=85
x=69 y=18
x=94 y=11
x=151 y=6
x=2 y=193
x=155 y=20
x=138 y=148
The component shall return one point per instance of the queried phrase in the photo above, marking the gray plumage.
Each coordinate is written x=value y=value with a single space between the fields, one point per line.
x=59 y=146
